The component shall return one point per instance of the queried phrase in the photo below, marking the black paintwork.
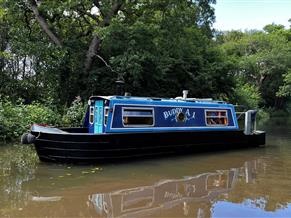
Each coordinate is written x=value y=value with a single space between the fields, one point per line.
x=79 y=147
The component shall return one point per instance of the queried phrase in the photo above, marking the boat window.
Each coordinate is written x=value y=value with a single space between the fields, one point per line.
x=216 y=117
x=91 y=115
x=138 y=117
x=106 y=112
x=137 y=112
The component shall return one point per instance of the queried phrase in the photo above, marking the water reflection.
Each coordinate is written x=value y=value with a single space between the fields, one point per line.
x=250 y=182
x=227 y=181
x=17 y=166
x=191 y=195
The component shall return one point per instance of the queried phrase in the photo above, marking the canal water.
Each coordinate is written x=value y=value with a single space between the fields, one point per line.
x=253 y=182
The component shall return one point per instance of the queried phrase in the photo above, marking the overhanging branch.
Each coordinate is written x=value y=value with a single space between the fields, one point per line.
x=43 y=23
x=96 y=41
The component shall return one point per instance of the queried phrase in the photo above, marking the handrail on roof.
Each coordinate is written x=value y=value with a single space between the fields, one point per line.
x=159 y=99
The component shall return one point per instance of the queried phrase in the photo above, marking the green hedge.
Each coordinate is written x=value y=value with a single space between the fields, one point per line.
x=74 y=115
x=16 y=118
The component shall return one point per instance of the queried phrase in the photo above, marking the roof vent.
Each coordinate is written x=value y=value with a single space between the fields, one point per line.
x=185 y=94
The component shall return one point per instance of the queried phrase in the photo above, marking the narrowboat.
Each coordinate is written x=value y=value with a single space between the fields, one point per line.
x=124 y=127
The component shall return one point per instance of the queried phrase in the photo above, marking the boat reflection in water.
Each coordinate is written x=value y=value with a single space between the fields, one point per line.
x=193 y=195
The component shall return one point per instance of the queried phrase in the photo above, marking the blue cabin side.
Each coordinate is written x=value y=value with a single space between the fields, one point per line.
x=120 y=114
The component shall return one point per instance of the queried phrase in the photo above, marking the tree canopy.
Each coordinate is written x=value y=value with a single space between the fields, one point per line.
x=56 y=50
x=262 y=60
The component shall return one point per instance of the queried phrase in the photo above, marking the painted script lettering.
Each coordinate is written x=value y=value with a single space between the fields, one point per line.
x=172 y=113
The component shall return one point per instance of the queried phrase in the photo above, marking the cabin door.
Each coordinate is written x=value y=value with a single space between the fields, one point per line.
x=98 y=121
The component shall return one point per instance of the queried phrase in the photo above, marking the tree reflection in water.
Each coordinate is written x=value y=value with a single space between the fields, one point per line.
x=29 y=188
x=17 y=165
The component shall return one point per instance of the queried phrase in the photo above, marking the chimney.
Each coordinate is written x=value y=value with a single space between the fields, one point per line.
x=119 y=87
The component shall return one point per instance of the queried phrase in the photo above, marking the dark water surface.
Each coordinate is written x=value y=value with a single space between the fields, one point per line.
x=254 y=182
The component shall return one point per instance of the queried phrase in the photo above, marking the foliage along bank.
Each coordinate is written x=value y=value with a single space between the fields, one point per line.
x=16 y=118
x=52 y=51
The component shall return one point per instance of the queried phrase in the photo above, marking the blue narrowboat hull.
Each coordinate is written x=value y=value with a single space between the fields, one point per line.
x=75 y=145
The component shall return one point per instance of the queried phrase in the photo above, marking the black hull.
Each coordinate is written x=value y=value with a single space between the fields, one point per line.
x=85 y=148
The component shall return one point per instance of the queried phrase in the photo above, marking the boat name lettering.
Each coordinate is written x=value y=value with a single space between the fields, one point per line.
x=174 y=111
x=172 y=196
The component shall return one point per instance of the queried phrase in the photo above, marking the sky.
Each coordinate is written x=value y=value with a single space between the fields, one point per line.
x=251 y=14
x=248 y=208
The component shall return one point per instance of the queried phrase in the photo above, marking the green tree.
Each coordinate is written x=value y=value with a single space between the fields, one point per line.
x=66 y=47
x=262 y=59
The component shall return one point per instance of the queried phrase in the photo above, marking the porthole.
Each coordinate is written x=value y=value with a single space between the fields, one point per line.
x=181 y=117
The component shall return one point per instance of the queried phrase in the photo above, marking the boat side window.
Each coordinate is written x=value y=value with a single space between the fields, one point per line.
x=135 y=117
x=91 y=115
x=216 y=118
x=106 y=112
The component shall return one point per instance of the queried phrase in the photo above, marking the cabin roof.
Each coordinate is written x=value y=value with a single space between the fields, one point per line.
x=157 y=99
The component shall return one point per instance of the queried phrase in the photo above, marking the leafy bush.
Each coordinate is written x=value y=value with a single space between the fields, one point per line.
x=248 y=95
x=74 y=114
x=277 y=113
x=15 y=119
x=263 y=116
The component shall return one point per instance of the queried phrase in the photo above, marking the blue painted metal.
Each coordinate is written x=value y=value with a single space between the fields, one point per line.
x=90 y=125
x=166 y=120
x=98 y=116
x=165 y=111
x=86 y=119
